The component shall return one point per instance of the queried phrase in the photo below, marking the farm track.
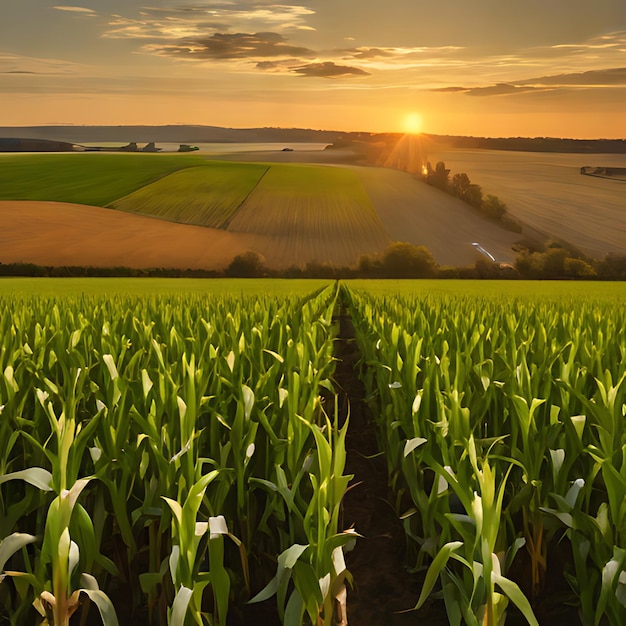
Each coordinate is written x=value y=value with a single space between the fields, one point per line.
x=382 y=585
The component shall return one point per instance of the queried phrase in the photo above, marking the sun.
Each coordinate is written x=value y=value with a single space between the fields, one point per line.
x=413 y=123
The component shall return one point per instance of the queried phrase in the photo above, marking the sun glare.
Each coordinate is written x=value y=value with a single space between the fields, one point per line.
x=413 y=123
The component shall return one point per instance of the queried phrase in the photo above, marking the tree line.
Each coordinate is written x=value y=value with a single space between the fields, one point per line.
x=554 y=260
x=462 y=187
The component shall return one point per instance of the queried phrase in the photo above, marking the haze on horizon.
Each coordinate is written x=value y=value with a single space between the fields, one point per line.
x=488 y=68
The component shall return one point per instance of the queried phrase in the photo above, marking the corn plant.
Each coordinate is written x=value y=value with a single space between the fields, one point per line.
x=524 y=379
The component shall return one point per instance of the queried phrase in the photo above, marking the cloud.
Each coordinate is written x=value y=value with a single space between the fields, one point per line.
x=603 y=42
x=328 y=69
x=501 y=89
x=77 y=10
x=592 y=79
x=450 y=89
x=11 y=63
x=230 y=46
x=200 y=19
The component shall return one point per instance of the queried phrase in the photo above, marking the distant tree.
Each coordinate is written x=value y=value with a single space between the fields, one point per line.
x=463 y=188
x=459 y=185
x=368 y=265
x=577 y=268
x=247 y=265
x=403 y=260
x=439 y=177
x=613 y=267
x=474 y=196
x=493 y=207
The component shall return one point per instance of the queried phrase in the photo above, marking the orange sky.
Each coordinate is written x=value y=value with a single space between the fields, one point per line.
x=492 y=68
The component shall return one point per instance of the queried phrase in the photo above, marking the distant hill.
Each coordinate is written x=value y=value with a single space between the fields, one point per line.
x=534 y=144
x=217 y=134
x=172 y=134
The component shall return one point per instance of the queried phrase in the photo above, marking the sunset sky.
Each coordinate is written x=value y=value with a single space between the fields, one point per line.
x=488 y=67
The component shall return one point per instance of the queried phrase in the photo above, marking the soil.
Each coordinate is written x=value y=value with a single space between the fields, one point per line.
x=58 y=233
x=383 y=589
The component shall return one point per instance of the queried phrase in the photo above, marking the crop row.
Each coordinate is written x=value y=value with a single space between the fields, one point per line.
x=503 y=424
x=158 y=455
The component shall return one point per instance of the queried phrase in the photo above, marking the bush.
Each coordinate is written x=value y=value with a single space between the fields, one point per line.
x=403 y=260
x=493 y=207
x=247 y=265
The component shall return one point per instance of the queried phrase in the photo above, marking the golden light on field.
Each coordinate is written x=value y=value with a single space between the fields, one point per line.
x=413 y=124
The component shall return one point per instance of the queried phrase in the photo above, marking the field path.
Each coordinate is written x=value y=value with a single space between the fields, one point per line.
x=56 y=233
x=414 y=212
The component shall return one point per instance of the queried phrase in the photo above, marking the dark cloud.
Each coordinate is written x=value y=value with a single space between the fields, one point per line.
x=328 y=69
x=450 y=89
x=20 y=72
x=501 y=89
x=227 y=46
x=367 y=53
x=267 y=65
x=611 y=77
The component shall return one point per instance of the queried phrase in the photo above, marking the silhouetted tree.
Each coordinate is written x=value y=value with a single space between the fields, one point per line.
x=247 y=265
x=493 y=207
x=439 y=176
x=403 y=260
x=460 y=185
x=613 y=267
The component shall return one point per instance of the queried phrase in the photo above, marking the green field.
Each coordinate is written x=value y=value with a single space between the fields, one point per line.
x=501 y=412
x=505 y=289
x=307 y=199
x=192 y=424
x=143 y=287
x=95 y=179
x=208 y=195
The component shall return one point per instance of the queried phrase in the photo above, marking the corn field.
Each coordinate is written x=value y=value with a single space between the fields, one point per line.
x=170 y=459
x=159 y=453
x=502 y=422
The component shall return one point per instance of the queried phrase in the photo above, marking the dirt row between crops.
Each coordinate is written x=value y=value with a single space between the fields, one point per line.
x=383 y=589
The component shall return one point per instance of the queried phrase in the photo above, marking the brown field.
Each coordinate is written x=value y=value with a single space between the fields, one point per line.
x=548 y=192
x=55 y=233
x=414 y=212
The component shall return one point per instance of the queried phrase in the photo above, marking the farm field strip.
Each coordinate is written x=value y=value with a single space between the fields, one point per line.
x=57 y=234
x=92 y=179
x=207 y=195
x=502 y=419
x=289 y=213
x=159 y=446
x=424 y=216
x=318 y=204
x=77 y=288
x=548 y=192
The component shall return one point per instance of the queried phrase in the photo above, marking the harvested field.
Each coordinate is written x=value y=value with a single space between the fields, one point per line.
x=53 y=233
x=315 y=212
x=414 y=212
x=208 y=195
x=548 y=192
